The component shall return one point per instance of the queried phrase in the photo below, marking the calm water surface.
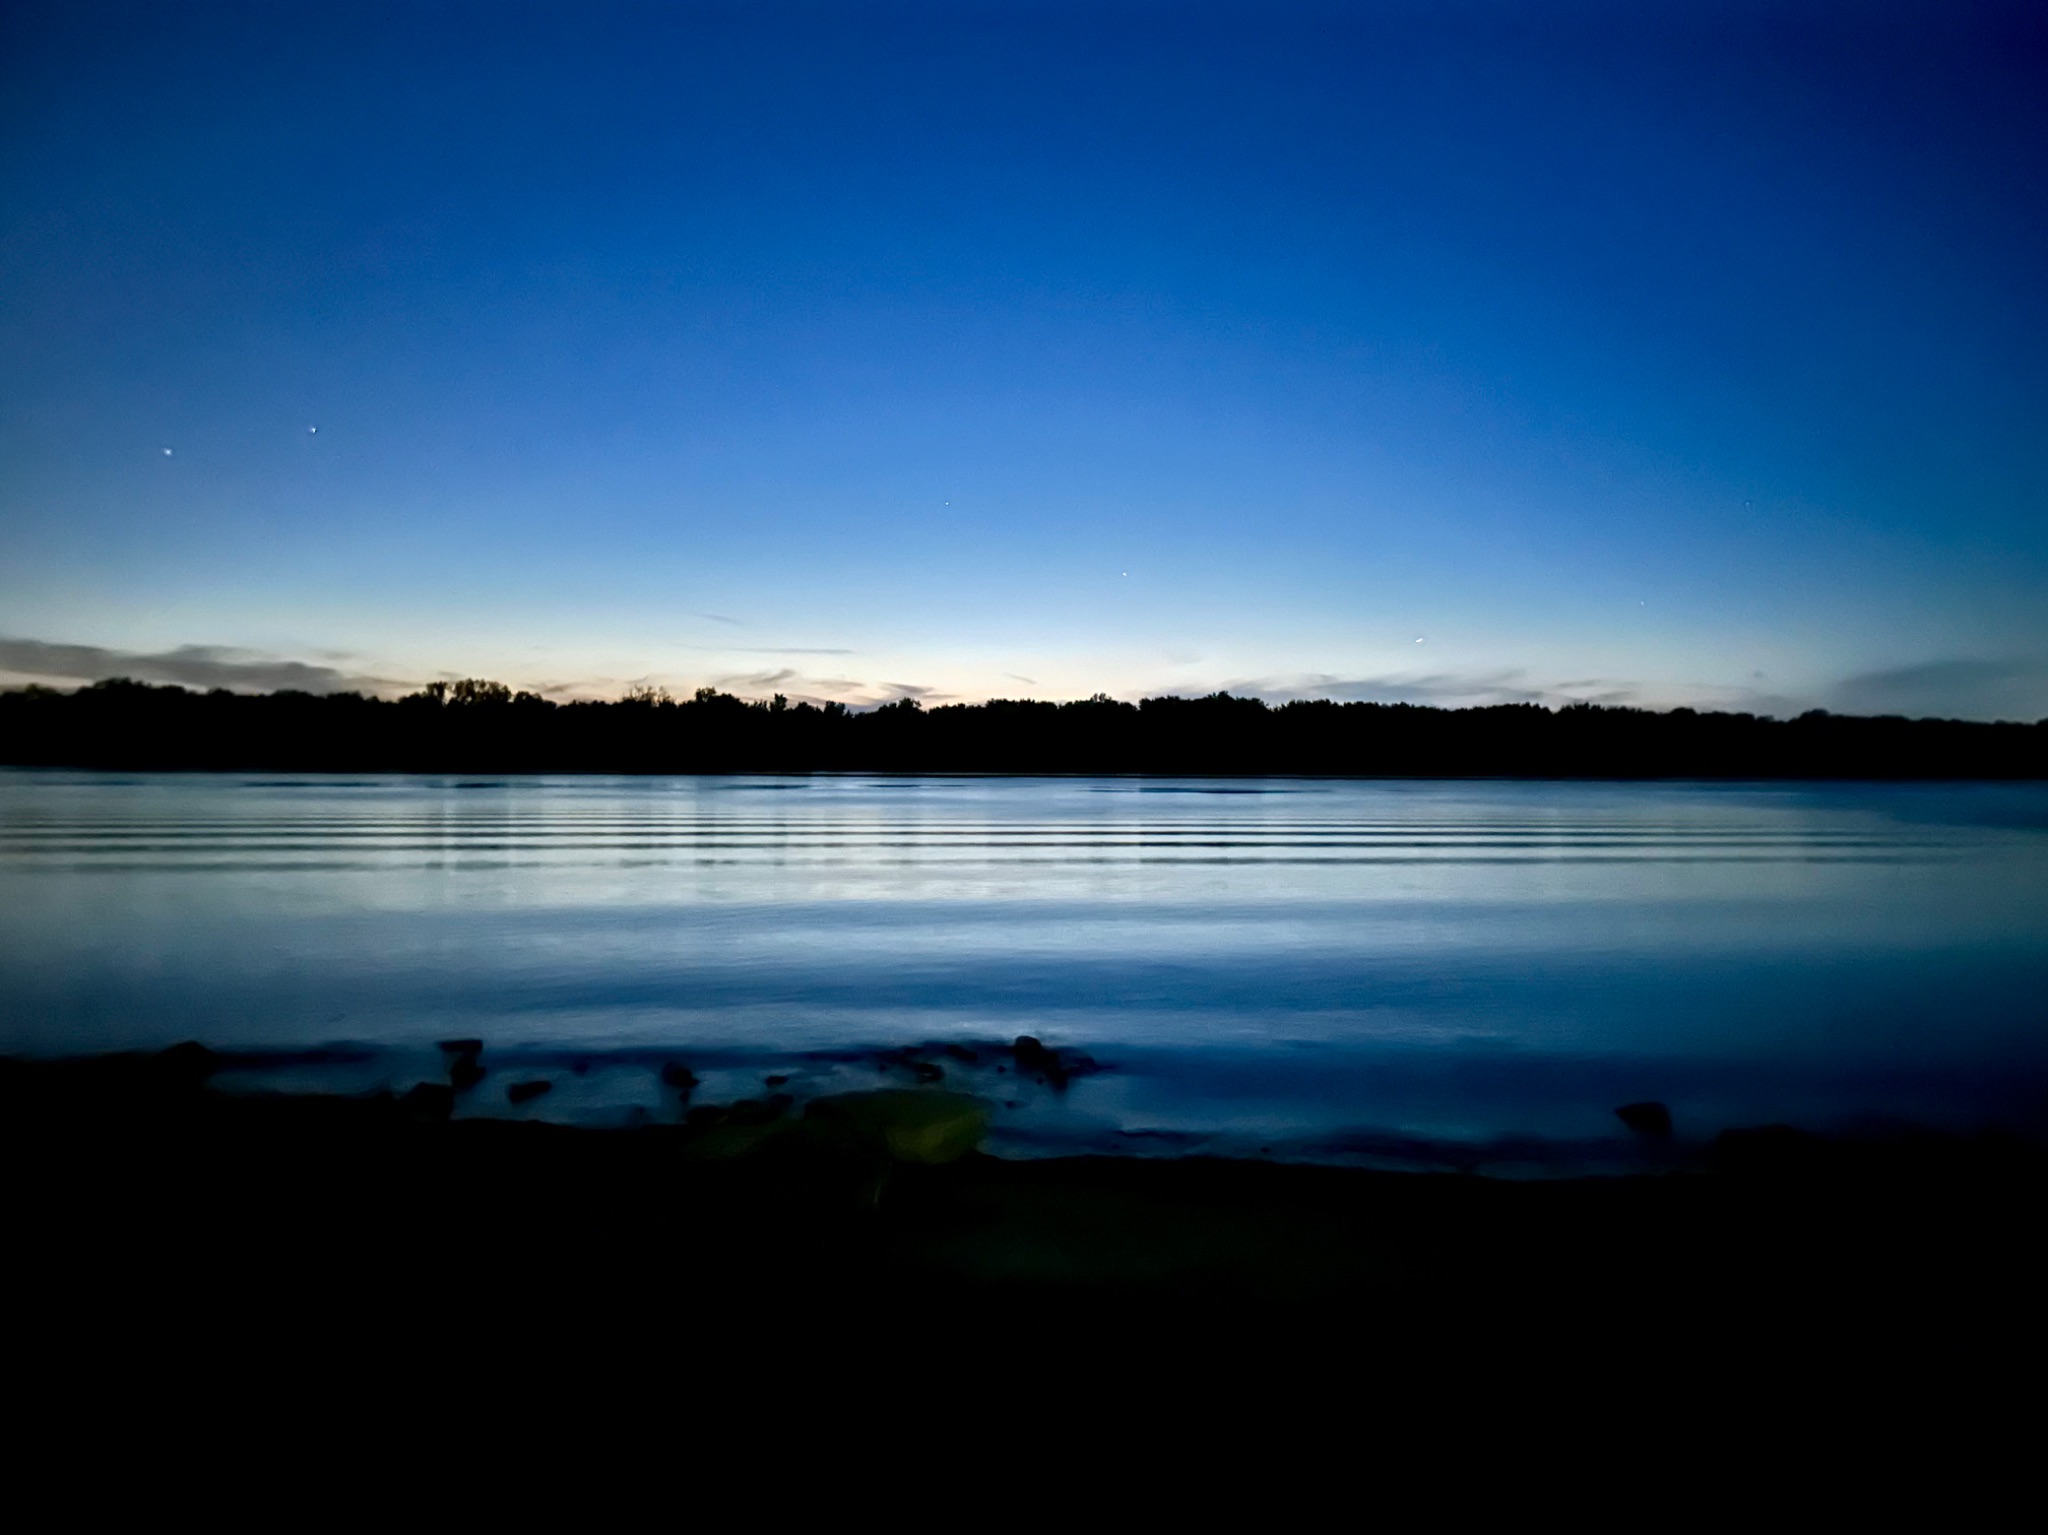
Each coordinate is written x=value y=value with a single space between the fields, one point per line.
x=1330 y=969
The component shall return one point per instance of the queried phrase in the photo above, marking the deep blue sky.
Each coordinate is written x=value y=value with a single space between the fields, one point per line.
x=1451 y=352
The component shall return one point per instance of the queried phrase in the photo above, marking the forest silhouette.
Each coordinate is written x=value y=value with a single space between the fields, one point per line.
x=481 y=726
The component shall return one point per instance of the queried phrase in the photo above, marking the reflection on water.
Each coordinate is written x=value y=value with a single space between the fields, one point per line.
x=1296 y=963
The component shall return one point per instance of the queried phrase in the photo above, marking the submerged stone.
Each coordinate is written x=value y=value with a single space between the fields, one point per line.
x=1650 y=1120
x=1053 y=1067
x=189 y=1064
x=429 y=1100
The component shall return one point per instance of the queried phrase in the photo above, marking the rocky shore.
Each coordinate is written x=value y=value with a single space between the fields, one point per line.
x=147 y=1204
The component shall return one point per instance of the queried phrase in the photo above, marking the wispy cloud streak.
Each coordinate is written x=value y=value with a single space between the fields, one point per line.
x=195 y=666
x=1506 y=685
x=1960 y=688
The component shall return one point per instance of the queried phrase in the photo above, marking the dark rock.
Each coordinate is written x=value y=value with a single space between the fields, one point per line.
x=1033 y=1056
x=526 y=1092
x=1030 y=1050
x=429 y=1101
x=1770 y=1151
x=187 y=1065
x=1650 y=1120
x=463 y=1070
x=746 y=1112
x=271 y=1060
x=905 y=1058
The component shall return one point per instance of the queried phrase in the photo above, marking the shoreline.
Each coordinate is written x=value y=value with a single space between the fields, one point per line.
x=1048 y=1102
x=479 y=726
x=383 y=1207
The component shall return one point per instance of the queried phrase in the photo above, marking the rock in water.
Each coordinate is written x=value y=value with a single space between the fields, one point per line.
x=429 y=1101
x=1033 y=1057
x=1652 y=1121
x=189 y=1064
x=463 y=1070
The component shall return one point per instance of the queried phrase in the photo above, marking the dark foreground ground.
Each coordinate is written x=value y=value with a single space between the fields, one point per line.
x=371 y=1240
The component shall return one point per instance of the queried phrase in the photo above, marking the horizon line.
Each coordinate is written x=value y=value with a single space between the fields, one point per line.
x=496 y=693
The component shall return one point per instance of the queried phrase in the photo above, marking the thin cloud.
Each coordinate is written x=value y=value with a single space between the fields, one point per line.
x=1020 y=677
x=720 y=618
x=1615 y=696
x=758 y=681
x=1509 y=685
x=1767 y=705
x=774 y=650
x=804 y=688
x=1951 y=689
x=575 y=691
x=795 y=684
x=192 y=666
x=896 y=692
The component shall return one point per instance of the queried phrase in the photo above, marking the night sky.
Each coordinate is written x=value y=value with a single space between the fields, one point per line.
x=1455 y=353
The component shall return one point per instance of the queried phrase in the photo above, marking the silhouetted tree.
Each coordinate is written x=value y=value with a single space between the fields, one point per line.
x=477 y=724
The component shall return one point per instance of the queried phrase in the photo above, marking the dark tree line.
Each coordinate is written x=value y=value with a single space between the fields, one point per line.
x=478 y=726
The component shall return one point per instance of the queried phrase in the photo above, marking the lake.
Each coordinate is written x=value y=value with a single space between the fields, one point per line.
x=1433 y=973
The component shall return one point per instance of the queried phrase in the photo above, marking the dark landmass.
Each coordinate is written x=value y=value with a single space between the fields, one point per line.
x=147 y=1209
x=484 y=727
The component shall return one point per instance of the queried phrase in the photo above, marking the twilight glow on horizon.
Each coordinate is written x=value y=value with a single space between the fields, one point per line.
x=1451 y=353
